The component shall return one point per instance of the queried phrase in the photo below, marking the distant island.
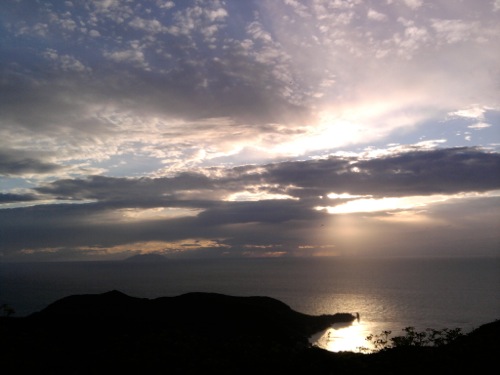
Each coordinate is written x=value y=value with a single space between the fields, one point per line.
x=199 y=333
x=146 y=258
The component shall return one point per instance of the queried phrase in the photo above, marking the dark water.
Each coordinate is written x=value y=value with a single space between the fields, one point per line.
x=389 y=294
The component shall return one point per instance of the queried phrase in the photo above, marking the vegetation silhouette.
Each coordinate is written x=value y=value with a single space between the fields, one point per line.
x=429 y=337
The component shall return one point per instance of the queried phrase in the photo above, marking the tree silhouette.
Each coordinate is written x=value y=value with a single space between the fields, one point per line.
x=412 y=337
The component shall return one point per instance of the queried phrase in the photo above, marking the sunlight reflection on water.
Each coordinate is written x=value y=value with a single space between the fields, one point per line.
x=344 y=336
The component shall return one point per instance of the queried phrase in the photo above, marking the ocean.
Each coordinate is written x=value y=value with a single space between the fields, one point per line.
x=389 y=294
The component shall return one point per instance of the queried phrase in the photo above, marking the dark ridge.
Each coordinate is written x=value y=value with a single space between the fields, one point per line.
x=113 y=333
x=105 y=305
x=203 y=311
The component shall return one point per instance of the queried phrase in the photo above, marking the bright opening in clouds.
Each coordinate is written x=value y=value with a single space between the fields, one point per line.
x=218 y=128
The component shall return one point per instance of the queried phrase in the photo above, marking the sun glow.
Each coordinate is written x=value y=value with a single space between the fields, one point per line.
x=403 y=204
x=329 y=133
x=244 y=196
x=157 y=213
x=383 y=204
x=346 y=196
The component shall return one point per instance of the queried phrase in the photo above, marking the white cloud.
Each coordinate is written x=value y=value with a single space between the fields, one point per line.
x=413 y=4
x=150 y=26
x=68 y=24
x=65 y=62
x=472 y=112
x=479 y=125
x=376 y=16
x=133 y=55
x=107 y=4
x=454 y=31
x=165 y=4
x=115 y=10
x=197 y=18
x=256 y=30
x=214 y=15
x=298 y=8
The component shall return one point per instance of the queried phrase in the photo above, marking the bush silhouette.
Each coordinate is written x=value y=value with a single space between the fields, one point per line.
x=412 y=337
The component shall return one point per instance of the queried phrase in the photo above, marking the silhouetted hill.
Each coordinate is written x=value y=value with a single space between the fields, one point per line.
x=194 y=311
x=114 y=333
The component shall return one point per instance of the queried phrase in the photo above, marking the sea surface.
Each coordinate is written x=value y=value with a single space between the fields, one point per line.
x=389 y=294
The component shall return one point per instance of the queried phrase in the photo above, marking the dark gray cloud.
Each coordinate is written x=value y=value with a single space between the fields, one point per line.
x=15 y=198
x=53 y=226
x=113 y=189
x=445 y=171
x=68 y=231
x=279 y=223
x=15 y=163
x=271 y=211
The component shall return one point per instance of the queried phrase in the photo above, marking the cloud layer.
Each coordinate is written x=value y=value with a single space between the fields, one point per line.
x=252 y=209
x=225 y=126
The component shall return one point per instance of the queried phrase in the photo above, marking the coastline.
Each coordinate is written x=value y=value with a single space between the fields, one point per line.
x=115 y=333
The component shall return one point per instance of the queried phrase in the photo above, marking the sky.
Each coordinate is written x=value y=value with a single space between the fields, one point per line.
x=265 y=128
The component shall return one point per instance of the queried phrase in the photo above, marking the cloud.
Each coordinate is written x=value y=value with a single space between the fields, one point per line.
x=473 y=112
x=479 y=125
x=150 y=26
x=410 y=173
x=65 y=62
x=134 y=55
x=268 y=211
x=292 y=87
x=413 y=4
x=165 y=4
x=245 y=229
x=116 y=189
x=15 y=198
x=106 y=221
x=376 y=16
x=18 y=163
x=454 y=31
x=496 y=5
x=232 y=119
